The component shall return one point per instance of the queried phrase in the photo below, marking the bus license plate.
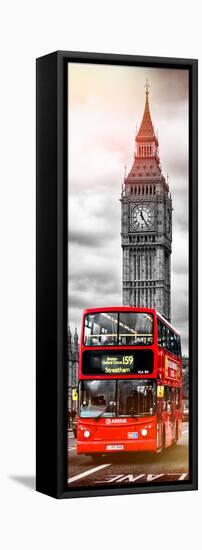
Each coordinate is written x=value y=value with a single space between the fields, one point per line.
x=115 y=447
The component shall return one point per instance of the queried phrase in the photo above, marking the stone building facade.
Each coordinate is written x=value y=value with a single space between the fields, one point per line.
x=146 y=232
x=72 y=366
x=185 y=377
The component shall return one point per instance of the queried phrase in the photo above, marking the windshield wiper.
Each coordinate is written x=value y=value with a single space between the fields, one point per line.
x=100 y=414
x=131 y=414
x=104 y=410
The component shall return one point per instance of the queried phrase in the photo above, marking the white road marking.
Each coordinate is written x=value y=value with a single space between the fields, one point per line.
x=182 y=477
x=148 y=477
x=72 y=448
x=184 y=431
x=130 y=477
x=152 y=477
x=88 y=472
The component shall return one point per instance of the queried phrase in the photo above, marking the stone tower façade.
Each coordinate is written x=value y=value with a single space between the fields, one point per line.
x=72 y=365
x=146 y=233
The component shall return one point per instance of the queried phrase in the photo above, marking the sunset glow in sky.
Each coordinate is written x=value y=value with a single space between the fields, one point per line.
x=105 y=104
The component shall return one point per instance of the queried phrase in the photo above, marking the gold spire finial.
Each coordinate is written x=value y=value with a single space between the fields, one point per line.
x=147 y=86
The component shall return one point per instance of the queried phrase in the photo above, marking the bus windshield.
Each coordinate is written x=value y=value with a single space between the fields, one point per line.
x=97 y=397
x=118 y=328
x=108 y=398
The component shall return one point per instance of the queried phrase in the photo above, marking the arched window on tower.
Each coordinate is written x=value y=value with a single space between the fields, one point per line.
x=147 y=190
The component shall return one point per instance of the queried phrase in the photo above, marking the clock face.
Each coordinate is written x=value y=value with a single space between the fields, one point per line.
x=142 y=217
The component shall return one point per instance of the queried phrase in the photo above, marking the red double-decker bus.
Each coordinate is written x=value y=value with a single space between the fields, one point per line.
x=130 y=382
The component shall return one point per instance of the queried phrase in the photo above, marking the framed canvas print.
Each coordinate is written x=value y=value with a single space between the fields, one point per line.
x=116 y=274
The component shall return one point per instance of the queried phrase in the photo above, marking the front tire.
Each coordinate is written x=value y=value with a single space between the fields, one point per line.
x=163 y=442
x=176 y=434
x=96 y=458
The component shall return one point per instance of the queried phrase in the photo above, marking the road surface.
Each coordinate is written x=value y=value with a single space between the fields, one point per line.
x=123 y=468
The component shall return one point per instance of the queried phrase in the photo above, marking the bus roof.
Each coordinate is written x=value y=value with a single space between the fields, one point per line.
x=167 y=322
x=129 y=308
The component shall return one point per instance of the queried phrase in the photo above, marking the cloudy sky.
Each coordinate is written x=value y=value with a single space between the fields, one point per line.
x=105 y=105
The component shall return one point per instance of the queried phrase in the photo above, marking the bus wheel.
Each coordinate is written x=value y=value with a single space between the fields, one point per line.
x=163 y=442
x=176 y=434
x=97 y=458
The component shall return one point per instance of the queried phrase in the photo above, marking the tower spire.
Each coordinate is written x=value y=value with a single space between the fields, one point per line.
x=146 y=130
x=147 y=86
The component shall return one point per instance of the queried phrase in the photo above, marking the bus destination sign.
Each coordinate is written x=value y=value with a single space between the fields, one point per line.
x=125 y=362
x=117 y=364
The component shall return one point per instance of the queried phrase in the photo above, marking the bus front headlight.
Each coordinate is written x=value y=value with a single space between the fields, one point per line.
x=86 y=434
x=144 y=432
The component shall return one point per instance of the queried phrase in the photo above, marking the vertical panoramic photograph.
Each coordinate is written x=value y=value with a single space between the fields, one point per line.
x=128 y=276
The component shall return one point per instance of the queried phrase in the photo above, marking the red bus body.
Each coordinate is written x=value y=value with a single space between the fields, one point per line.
x=155 y=432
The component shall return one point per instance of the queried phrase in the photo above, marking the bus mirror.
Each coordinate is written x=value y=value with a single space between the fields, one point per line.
x=160 y=391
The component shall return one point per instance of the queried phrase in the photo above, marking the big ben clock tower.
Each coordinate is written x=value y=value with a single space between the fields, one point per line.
x=146 y=234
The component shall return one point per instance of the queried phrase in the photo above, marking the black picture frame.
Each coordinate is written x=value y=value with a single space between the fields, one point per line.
x=51 y=237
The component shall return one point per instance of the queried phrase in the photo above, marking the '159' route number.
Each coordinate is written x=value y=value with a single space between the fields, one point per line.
x=127 y=360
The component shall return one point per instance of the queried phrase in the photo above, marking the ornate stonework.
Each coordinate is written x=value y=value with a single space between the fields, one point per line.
x=146 y=234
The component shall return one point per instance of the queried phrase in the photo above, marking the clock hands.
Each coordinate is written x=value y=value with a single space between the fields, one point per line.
x=143 y=218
